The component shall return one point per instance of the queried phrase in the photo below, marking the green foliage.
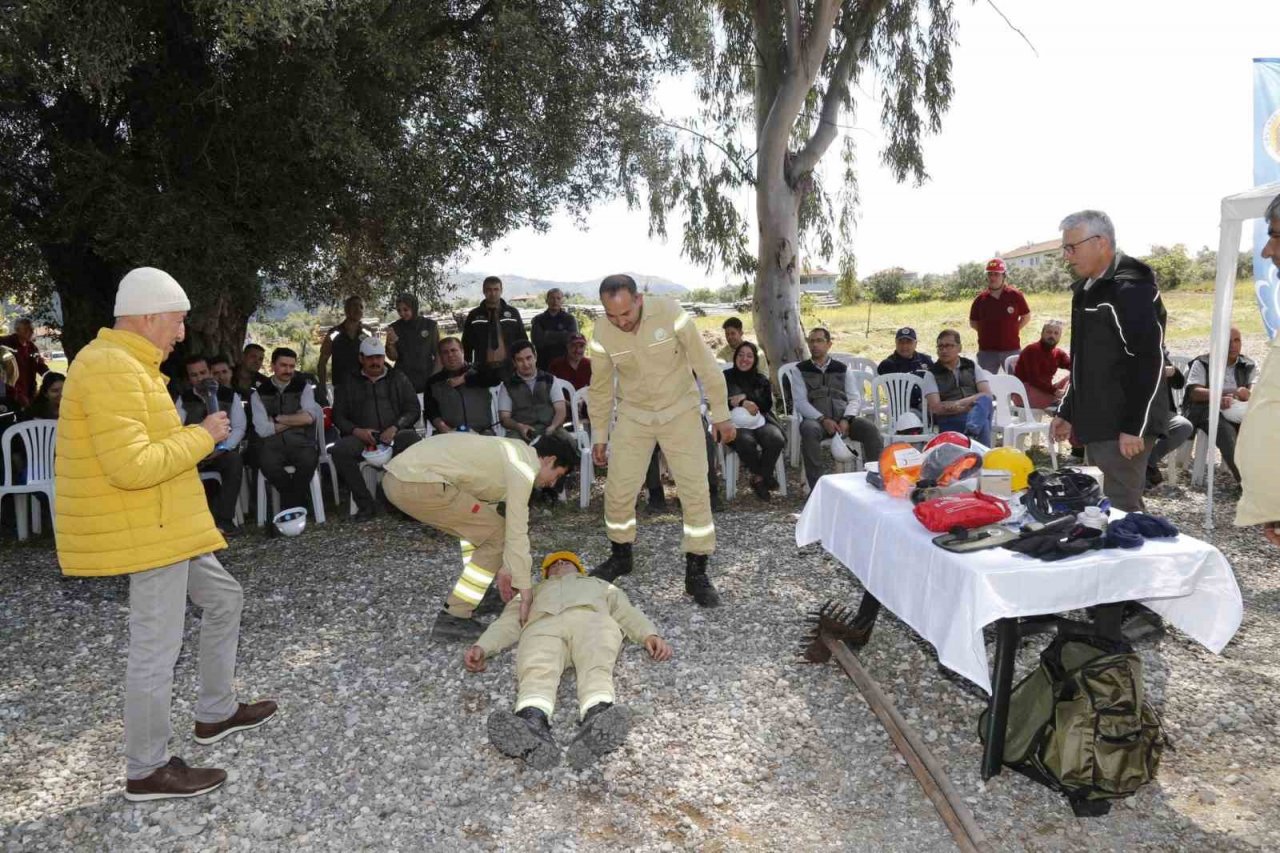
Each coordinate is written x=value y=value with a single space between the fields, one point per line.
x=1172 y=266
x=847 y=290
x=886 y=285
x=314 y=148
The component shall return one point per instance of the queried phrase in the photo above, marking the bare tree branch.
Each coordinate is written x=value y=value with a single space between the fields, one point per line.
x=856 y=35
x=740 y=167
x=993 y=5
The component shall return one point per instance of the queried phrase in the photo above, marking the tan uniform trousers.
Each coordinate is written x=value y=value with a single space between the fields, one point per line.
x=683 y=442
x=476 y=523
x=581 y=637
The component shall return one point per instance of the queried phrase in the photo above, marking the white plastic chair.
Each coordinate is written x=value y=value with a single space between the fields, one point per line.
x=1010 y=363
x=892 y=395
x=1013 y=420
x=317 y=496
x=789 y=374
x=586 y=470
x=865 y=380
x=730 y=463
x=562 y=389
x=857 y=362
x=38 y=439
x=238 y=518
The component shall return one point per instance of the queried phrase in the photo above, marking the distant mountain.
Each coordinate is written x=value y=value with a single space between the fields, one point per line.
x=467 y=286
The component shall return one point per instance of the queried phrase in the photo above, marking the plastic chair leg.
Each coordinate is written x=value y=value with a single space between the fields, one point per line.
x=21 y=511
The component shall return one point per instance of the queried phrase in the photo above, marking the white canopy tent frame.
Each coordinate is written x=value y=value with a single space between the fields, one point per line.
x=1250 y=204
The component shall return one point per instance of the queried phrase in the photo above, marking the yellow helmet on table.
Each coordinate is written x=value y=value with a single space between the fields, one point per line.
x=1013 y=460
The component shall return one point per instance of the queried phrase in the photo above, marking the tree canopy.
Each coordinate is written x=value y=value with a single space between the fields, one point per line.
x=313 y=146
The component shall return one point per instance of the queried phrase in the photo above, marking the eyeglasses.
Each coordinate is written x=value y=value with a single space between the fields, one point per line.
x=1070 y=248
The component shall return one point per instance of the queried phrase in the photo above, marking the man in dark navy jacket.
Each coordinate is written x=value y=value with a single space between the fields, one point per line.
x=1116 y=404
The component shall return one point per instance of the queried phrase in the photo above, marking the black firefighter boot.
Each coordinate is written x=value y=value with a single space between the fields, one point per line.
x=618 y=564
x=696 y=582
x=526 y=734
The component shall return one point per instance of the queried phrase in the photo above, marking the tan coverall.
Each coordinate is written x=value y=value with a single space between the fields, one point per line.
x=1256 y=453
x=575 y=621
x=453 y=482
x=657 y=403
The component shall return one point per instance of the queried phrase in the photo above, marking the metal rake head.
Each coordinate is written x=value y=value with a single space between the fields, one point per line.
x=832 y=620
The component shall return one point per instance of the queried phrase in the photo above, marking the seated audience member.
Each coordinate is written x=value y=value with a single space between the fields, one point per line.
x=284 y=432
x=527 y=408
x=957 y=393
x=757 y=446
x=905 y=358
x=823 y=397
x=221 y=370
x=376 y=406
x=732 y=329
x=48 y=401
x=575 y=367
x=1238 y=376
x=1039 y=362
x=248 y=372
x=1179 y=430
x=194 y=405
x=458 y=397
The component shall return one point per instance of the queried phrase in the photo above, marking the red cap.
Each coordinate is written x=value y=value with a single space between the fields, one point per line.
x=996 y=265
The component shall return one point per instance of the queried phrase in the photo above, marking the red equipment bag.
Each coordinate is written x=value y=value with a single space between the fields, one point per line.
x=969 y=511
x=328 y=416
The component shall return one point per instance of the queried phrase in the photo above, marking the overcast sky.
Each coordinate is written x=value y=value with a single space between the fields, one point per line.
x=1142 y=108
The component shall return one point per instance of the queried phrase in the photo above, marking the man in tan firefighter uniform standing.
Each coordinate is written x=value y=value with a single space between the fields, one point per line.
x=653 y=349
x=454 y=483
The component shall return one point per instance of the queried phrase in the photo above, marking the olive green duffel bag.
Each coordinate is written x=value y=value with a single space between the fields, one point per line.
x=1081 y=725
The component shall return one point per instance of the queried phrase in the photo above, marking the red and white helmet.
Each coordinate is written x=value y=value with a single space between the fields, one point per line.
x=997 y=265
x=949 y=437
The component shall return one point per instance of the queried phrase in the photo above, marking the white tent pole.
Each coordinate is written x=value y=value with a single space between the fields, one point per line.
x=1219 y=336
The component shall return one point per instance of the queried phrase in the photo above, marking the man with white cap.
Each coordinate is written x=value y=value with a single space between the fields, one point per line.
x=378 y=406
x=130 y=502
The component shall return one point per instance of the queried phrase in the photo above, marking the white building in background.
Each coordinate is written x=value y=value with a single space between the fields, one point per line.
x=1033 y=254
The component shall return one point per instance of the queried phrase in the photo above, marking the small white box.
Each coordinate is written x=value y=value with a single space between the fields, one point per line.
x=996 y=482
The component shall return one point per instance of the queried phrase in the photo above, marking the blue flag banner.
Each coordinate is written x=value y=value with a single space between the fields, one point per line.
x=1266 y=169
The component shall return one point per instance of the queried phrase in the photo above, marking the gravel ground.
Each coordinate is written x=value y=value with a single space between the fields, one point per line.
x=380 y=743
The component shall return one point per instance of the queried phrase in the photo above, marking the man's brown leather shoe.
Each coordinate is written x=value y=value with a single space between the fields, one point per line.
x=246 y=717
x=175 y=779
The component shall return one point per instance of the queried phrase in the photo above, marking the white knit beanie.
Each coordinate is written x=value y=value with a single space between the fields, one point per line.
x=147 y=290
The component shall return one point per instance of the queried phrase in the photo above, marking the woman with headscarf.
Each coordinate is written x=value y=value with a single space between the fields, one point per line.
x=760 y=440
x=412 y=342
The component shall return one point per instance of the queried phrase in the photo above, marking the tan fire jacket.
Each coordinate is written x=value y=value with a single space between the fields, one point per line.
x=1257 y=454
x=655 y=367
x=553 y=596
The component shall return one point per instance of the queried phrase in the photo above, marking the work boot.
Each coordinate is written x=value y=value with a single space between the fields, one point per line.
x=526 y=734
x=450 y=627
x=491 y=603
x=618 y=564
x=696 y=582
x=603 y=729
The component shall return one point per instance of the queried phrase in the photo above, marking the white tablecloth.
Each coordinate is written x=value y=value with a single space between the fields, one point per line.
x=947 y=598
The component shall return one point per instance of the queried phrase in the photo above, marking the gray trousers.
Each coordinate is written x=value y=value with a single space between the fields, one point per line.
x=992 y=360
x=1123 y=479
x=812 y=435
x=157 y=613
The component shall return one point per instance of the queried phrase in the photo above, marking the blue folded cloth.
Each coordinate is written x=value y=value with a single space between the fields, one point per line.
x=1130 y=531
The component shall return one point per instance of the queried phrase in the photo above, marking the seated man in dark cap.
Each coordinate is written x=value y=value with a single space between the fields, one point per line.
x=377 y=406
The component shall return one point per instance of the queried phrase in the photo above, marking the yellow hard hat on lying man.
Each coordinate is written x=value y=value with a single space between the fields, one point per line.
x=556 y=556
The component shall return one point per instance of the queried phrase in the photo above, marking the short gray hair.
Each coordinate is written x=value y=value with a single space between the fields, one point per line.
x=1095 y=223
x=1273 y=210
x=1054 y=322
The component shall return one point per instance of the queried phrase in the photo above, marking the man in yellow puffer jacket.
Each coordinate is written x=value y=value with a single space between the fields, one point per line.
x=129 y=501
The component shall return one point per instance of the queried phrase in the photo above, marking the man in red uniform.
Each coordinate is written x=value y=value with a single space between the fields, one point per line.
x=997 y=315
x=1038 y=363
x=574 y=368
